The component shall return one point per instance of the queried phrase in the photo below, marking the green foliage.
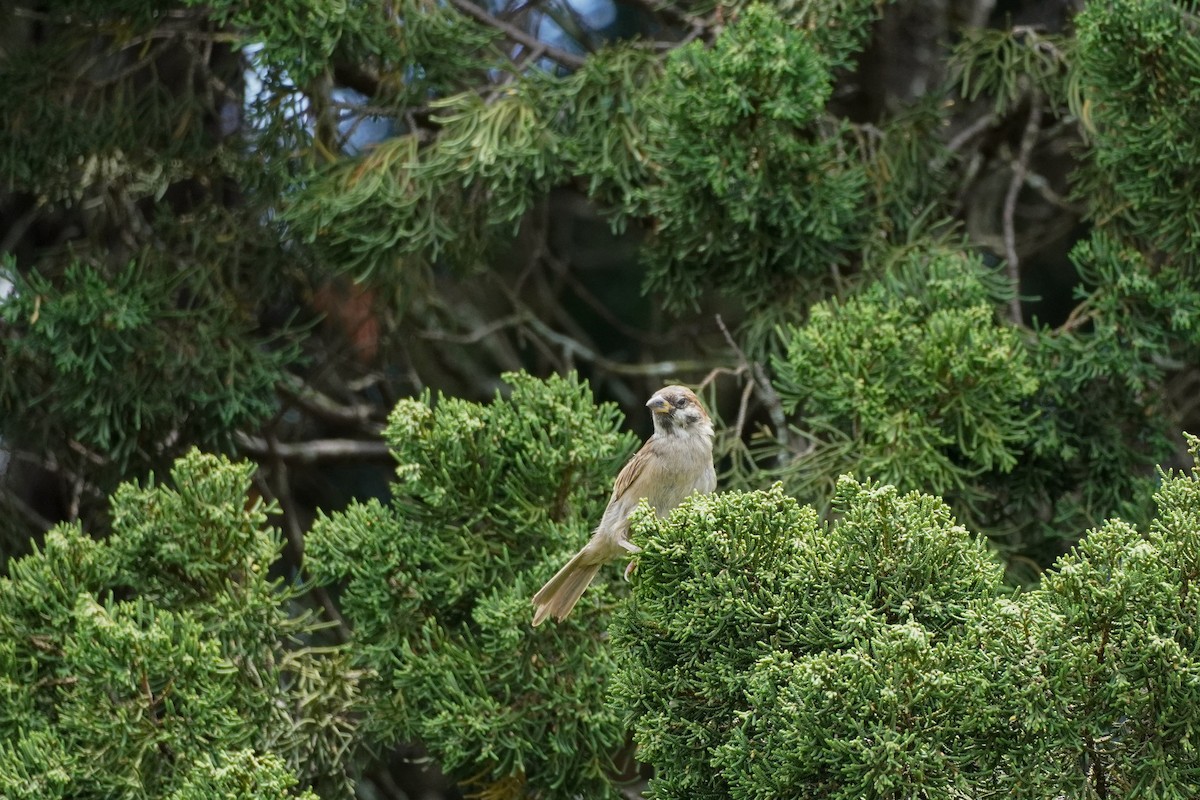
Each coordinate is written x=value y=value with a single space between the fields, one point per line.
x=169 y=206
x=735 y=591
x=727 y=149
x=912 y=382
x=63 y=135
x=1138 y=64
x=1141 y=314
x=1112 y=630
x=164 y=661
x=119 y=132
x=607 y=109
x=241 y=775
x=764 y=655
x=910 y=187
x=1103 y=371
x=839 y=28
x=1006 y=65
x=304 y=35
x=414 y=203
x=748 y=193
x=490 y=500
x=1069 y=477
x=156 y=367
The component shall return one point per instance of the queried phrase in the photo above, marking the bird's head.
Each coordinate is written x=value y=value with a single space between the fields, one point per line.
x=676 y=410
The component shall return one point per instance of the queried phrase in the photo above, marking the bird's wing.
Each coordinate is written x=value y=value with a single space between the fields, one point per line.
x=633 y=470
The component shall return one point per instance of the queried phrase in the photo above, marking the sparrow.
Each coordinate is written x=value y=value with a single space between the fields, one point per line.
x=674 y=462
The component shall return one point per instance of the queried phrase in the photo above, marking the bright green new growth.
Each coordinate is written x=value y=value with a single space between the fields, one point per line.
x=490 y=500
x=163 y=661
x=764 y=655
x=735 y=590
x=912 y=382
x=244 y=775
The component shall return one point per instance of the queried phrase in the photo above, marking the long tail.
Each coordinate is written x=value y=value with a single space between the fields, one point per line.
x=562 y=592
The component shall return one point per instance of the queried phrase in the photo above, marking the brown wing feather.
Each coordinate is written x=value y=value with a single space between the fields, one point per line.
x=633 y=469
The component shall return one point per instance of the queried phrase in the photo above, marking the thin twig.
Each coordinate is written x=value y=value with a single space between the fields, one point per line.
x=676 y=14
x=325 y=407
x=770 y=398
x=970 y=132
x=517 y=35
x=593 y=302
x=295 y=536
x=743 y=410
x=42 y=524
x=477 y=335
x=572 y=347
x=317 y=450
x=1020 y=169
x=569 y=347
x=1080 y=315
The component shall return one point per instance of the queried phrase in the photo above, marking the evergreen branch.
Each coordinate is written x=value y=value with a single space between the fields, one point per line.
x=563 y=57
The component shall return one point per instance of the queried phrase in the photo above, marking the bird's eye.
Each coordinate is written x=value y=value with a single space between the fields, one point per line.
x=680 y=402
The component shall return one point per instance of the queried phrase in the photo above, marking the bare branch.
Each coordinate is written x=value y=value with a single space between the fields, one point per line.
x=970 y=132
x=295 y=536
x=570 y=348
x=758 y=378
x=573 y=347
x=326 y=408
x=1020 y=169
x=317 y=450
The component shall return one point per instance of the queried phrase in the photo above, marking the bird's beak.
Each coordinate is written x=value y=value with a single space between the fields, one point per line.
x=658 y=404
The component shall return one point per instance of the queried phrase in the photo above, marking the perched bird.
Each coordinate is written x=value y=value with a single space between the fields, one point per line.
x=673 y=463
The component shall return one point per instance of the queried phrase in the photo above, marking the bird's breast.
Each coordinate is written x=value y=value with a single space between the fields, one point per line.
x=683 y=469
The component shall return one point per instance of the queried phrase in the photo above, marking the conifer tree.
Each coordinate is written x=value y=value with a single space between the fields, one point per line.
x=950 y=254
x=166 y=660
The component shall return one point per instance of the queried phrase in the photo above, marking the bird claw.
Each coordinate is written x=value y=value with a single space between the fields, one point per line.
x=629 y=568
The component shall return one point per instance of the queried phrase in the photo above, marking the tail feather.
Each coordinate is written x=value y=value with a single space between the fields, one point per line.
x=562 y=592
